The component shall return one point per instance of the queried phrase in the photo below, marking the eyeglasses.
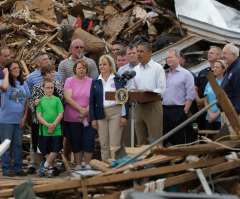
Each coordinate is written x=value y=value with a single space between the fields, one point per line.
x=77 y=47
x=16 y=68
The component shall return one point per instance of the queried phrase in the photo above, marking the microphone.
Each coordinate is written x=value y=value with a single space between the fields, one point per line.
x=124 y=75
x=130 y=75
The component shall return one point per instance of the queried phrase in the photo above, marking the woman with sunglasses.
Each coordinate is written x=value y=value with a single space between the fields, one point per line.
x=13 y=114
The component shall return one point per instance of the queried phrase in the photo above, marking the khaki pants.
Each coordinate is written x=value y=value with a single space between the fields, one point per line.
x=110 y=131
x=148 y=121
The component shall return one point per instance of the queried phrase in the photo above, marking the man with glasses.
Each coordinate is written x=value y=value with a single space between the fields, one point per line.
x=65 y=67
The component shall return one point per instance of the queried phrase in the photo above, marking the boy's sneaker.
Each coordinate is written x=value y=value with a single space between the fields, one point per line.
x=50 y=172
x=42 y=170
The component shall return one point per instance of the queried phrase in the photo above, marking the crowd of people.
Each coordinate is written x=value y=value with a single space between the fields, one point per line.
x=68 y=107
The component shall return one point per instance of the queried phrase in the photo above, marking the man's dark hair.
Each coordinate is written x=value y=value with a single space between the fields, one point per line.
x=39 y=55
x=121 y=53
x=3 y=47
x=146 y=44
x=131 y=46
x=119 y=43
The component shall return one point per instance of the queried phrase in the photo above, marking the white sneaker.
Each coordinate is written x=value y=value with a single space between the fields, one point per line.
x=78 y=167
x=88 y=166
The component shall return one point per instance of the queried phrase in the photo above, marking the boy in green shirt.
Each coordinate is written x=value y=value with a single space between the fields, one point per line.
x=49 y=113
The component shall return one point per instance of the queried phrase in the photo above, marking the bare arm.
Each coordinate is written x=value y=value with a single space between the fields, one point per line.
x=187 y=106
x=23 y=120
x=42 y=121
x=73 y=104
x=5 y=82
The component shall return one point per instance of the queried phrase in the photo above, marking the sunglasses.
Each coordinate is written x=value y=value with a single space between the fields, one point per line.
x=77 y=47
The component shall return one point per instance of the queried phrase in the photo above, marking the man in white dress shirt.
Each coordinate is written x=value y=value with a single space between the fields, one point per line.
x=150 y=76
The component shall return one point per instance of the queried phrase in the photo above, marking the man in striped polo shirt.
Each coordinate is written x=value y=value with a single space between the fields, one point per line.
x=65 y=67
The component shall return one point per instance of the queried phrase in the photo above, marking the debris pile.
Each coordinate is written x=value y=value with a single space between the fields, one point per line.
x=176 y=169
x=46 y=25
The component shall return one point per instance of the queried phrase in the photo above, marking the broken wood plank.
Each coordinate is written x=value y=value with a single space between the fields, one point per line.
x=44 y=20
x=72 y=184
x=196 y=149
x=61 y=52
x=84 y=188
x=24 y=67
x=99 y=165
x=151 y=172
x=148 y=161
x=176 y=180
x=225 y=103
x=128 y=31
x=116 y=23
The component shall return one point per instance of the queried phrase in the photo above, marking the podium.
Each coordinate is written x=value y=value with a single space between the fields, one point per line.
x=135 y=96
x=138 y=96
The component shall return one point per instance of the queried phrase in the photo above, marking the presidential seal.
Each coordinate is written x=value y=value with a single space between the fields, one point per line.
x=121 y=96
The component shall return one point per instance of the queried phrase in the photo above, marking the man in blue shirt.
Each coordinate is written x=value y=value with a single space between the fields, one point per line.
x=35 y=77
x=231 y=80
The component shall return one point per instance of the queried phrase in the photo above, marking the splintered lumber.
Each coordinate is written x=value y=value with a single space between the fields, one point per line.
x=124 y=4
x=25 y=67
x=212 y=132
x=225 y=103
x=116 y=23
x=44 y=20
x=148 y=161
x=76 y=183
x=61 y=52
x=99 y=165
x=151 y=172
x=6 y=4
x=176 y=180
x=132 y=28
x=197 y=149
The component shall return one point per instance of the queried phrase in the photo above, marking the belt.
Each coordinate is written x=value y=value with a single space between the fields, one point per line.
x=173 y=106
x=112 y=106
x=144 y=102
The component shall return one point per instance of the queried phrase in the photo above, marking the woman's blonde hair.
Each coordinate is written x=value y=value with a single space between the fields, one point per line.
x=110 y=61
x=224 y=66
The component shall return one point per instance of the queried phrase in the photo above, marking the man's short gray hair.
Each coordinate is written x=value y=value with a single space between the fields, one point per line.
x=233 y=49
x=219 y=51
x=75 y=41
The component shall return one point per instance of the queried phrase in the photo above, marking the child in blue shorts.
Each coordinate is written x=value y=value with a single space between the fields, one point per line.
x=49 y=113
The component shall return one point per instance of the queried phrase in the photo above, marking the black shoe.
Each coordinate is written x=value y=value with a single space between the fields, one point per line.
x=56 y=171
x=21 y=173
x=9 y=174
x=62 y=168
x=31 y=170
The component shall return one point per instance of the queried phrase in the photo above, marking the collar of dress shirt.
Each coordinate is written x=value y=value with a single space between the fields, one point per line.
x=110 y=77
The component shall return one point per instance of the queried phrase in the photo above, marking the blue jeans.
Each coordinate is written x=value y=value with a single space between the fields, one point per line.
x=14 y=133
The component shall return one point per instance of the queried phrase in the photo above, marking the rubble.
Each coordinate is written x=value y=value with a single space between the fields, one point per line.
x=29 y=27
x=35 y=26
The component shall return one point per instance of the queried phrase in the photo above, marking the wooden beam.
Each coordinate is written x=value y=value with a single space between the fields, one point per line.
x=175 y=180
x=44 y=20
x=25 y=67
x=225 y=103
x=148 y=161
x=196 y=149
x=72 y=184
x=151 y=172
